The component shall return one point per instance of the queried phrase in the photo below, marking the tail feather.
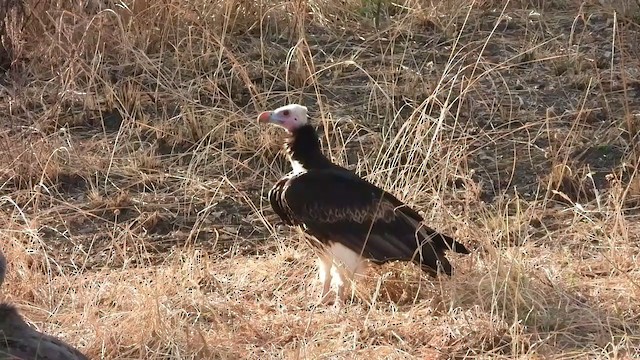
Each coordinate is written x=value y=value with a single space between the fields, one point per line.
x=432 y=260
x=441 y=241
x=430 y=256
x=448 y=243
x=432 y=253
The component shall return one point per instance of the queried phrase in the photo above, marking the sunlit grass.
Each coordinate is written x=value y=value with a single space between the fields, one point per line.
x=133 y=175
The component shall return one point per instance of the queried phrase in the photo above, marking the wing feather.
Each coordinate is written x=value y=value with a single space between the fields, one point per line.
x=336 y=205
x=276 y=201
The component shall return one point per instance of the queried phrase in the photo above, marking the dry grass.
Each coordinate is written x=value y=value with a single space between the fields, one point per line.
x=133 y=175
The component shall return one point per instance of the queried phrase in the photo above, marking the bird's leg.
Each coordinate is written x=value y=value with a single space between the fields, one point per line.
x=348 y=264
x=341 y=293
x=340 y=280
x=324 y=271
x=350 y=275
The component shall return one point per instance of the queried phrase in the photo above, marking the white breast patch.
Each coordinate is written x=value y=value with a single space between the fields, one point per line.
x=297 y=167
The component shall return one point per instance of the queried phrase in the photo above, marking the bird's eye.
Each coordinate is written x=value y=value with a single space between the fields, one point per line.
x=285 y=113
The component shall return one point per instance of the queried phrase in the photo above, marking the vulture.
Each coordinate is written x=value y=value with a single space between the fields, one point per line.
x=19 y=341
x=350 y=220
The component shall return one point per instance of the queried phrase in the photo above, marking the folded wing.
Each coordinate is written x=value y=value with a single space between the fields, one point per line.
x=336 y=205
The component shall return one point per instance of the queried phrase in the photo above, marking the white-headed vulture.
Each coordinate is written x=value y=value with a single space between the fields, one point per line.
x=352 y=220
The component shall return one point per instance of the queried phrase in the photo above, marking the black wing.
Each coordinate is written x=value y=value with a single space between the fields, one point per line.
x=20 y=341
x=337 y=205
x=275 y=199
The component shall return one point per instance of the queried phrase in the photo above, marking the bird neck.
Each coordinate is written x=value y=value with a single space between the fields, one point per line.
x=303 y=147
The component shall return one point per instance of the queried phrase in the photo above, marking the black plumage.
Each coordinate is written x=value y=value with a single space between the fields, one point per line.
x=350 y=218
x=359 y=215
x=333 y=204
x=20 y=341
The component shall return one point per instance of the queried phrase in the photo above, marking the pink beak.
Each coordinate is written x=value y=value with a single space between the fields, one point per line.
x=264 y=117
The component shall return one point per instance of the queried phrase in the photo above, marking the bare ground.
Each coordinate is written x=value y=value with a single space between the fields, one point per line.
x=134 y=177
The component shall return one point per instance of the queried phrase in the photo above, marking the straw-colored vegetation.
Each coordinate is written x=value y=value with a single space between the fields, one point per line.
x=134 y=176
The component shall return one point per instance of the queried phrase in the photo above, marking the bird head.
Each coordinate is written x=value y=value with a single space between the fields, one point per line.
x=290 y=117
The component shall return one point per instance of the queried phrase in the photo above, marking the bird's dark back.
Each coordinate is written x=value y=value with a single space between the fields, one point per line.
x=19 y=341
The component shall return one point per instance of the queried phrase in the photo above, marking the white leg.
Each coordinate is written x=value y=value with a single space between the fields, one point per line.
x=325 y=265
x=339 y=279
x=348 y=264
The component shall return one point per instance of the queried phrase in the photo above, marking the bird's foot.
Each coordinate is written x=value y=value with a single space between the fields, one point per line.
x=328 y=299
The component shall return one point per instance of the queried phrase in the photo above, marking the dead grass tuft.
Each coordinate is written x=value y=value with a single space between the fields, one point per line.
x=570 y=186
